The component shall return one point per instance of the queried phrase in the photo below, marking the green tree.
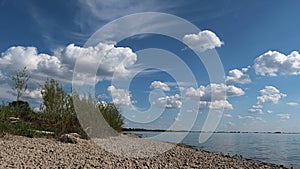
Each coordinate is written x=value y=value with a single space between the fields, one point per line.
x=20 y=79
x=112 y=115
x=55 y=100
x=59 y=109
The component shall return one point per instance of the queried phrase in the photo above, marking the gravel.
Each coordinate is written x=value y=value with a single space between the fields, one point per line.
x=117 y=152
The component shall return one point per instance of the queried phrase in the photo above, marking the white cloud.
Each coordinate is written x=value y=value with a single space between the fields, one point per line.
x=260 y=119
x=60 y=66
x=32 y=96
x=245 y=69
x=270 y=94
x=34 y=93
x=120 y=96
x=230 y=124
x=227 y=115
x=219 y=91
x=169 y=102
x=273 y=63
x=110 y=59
x=159 y=85
x=292 y=103
x=284 y=116
x=257 y=106
x=255 y=111
x=217 y=104
x=245 y=117
x=269 y=111
x=220 y=94
x=18 y=57
x=237 y=76
x=2 y=78
x=203 y=41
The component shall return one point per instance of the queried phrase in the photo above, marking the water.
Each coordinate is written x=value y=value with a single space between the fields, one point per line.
x=281 y=149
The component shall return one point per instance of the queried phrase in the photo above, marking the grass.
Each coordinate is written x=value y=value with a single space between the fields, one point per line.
x=29 y=121
x=58 y=123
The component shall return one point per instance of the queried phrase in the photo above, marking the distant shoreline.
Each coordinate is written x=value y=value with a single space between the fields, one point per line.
x=160 y=130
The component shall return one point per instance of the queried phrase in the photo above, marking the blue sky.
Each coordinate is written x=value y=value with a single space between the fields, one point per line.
x=256 y=41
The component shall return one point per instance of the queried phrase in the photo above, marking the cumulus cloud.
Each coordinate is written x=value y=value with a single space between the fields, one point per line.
x=257 y=106
x=292 y=103
x=111 y=60
x=251 y=118
x=60 y=65
x=120 y=96
x=203 y=41
x=220 y=93
x=217 y=104
x=269 y=111
x=2 y=78
x=169 y=102
x=237 y=76
x=255 y=111
x=284 y=116
x=159 y=85
x=245 y=117
x=230 y=124
x=270 y=94
x=227 y=115
x=18 y=57
x=34 y=96
x=274 y=63
x=245 y=69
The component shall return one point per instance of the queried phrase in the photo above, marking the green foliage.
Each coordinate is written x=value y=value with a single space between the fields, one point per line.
x=20 y=79
x=59 y=109
x=90 y=118
x=112 y=115
x=19 y=128
x=59 y=115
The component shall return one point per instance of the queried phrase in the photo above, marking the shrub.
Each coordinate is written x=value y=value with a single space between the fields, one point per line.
x=112 y=115
x=98 y=119
x=59 y=109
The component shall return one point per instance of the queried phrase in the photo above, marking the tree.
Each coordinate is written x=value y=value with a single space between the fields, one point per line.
x=59 y=109
x=20 y=79
x=55 y=100
x=112 y=115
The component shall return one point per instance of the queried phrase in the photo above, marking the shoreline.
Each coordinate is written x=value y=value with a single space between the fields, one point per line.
x=19 y=151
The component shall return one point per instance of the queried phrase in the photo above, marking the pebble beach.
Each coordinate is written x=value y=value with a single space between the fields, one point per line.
x=24 y=152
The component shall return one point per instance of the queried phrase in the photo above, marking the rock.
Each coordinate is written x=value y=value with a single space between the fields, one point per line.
x=22 y=152
x=69 y=138
x=44 y=132
x=14 y=119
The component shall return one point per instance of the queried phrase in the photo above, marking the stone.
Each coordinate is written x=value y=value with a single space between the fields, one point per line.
x=69 y=138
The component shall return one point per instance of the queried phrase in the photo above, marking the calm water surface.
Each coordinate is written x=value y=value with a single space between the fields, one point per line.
x=281 y=149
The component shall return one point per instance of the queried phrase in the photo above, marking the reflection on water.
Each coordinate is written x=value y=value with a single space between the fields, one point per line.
x=282 y=149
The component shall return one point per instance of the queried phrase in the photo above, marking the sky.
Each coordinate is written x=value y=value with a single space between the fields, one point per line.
x=157 y=80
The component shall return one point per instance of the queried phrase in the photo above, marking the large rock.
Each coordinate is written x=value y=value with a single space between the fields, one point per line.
x=70 y=138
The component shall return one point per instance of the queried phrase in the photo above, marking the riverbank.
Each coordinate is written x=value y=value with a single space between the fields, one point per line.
x=19 y=152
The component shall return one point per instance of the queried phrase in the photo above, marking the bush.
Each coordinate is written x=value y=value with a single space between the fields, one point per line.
x=59 y=115
x=59 y=109
x=111 y=114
